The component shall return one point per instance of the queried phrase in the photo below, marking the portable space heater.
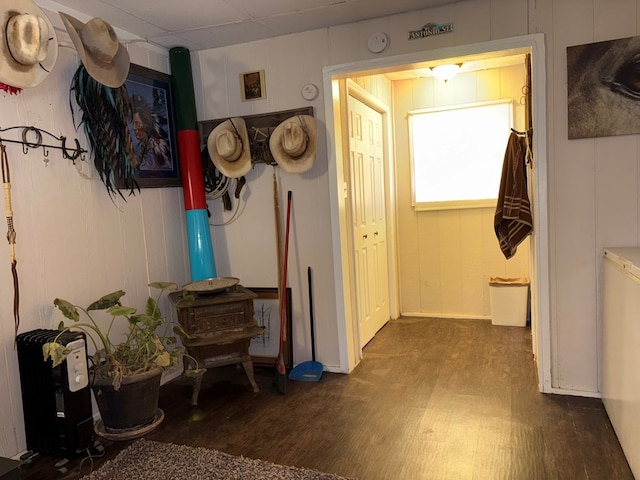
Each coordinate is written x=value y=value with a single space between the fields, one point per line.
x=56 y=401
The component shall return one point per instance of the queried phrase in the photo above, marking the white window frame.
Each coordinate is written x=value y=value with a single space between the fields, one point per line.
x=465 y=132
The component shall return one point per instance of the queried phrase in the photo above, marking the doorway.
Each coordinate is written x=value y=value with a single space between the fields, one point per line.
x=337 y=121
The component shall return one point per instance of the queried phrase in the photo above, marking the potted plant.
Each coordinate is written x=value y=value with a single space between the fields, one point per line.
x=125 y=375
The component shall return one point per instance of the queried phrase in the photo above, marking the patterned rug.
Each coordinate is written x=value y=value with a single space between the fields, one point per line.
x=166 y=461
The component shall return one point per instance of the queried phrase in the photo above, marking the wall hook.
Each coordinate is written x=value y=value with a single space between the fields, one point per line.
x=31 y=137
x=75 y=152
x=25 y=133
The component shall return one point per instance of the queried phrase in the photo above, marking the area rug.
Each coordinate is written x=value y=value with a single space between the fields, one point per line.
x=146 y=459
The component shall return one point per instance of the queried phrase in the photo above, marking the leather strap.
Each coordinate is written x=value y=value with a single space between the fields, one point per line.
x=11 y=238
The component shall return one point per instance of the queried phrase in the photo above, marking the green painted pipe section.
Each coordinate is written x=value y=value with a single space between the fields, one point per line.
x=182 y=81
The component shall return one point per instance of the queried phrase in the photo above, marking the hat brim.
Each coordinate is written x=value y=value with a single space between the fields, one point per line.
x=304 y=162
x=112 y=74
x=13 y=73
x=242 y=164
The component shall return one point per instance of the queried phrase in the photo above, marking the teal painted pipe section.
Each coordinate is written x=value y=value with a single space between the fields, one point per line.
x=201 y=259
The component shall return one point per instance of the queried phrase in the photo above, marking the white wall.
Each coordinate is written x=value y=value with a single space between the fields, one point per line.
x=593 y=194
x=73 y=241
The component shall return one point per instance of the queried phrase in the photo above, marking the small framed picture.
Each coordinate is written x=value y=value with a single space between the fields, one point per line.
x=266 y=310
x=252 y=86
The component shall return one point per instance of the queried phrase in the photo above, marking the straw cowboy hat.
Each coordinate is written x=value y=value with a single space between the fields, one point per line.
x=30 y=48
x=99 y=49
x=293 y=143
x=229 y=148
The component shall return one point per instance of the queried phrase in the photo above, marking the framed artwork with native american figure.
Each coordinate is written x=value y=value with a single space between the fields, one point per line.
x=153 y=128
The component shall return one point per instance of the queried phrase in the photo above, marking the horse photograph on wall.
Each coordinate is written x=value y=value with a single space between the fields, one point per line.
x=603 y=87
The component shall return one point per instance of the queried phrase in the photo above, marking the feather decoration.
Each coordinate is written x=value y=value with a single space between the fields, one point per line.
x=10 y=89
x=106 y=113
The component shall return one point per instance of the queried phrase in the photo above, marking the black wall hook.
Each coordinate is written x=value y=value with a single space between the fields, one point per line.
x=31 y=137
x=73 y=153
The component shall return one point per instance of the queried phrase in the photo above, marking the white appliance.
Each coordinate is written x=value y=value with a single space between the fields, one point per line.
x=621 y=348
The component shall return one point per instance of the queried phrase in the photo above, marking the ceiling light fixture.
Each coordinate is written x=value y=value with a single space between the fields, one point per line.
x=446 y=72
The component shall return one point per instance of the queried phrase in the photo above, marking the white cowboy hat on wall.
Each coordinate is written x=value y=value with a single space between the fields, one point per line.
x=30 y=49
x=99 y=49
x=293 y=143
x=229 y=148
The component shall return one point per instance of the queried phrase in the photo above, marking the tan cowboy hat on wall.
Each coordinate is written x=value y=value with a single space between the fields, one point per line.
x=229 y=148
x=293 y=143
x=29 y=49
x=99 y=49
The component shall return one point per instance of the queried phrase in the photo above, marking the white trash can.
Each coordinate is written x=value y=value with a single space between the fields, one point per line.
x=509 y=301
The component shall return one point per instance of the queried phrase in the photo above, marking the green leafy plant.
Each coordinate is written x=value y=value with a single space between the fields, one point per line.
x=150 y=341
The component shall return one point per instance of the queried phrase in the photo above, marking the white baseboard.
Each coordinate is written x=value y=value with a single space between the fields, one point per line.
x=575 y=393
x=446 y=315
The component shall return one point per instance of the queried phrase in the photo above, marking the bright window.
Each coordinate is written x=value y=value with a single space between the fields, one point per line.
x=457 y=154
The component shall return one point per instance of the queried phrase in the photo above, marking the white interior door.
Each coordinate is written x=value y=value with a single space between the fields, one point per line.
x=366 y=171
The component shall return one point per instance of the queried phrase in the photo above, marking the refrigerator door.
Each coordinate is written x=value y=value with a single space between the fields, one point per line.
x=620 y=342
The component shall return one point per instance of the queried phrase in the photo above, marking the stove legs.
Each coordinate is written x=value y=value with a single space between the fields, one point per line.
x=225 y=359
x=248 y=369
x=197 y=384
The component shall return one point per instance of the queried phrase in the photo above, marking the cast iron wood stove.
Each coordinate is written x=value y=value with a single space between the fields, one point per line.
x=222 y=324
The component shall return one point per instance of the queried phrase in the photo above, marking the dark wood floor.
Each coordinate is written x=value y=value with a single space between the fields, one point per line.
x=432 y=399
